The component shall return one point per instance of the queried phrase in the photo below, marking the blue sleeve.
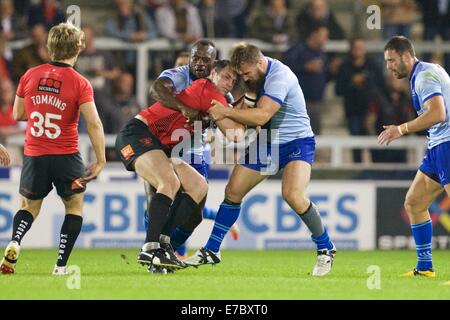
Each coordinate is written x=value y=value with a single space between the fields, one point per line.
x=428 y=85
x=179 y=79
x=276 y=87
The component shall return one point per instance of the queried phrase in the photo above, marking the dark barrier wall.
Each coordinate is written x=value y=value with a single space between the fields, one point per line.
x=393 y=228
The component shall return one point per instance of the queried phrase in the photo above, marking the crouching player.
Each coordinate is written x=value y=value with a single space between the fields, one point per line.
x=145 y=145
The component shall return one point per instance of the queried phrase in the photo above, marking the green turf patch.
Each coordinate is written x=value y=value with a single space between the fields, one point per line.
x=114 y=274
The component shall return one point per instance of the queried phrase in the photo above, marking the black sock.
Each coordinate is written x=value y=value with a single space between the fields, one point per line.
x=194 y=220
x=69 y=233
x=182 y=208
x=22 y=223
x=159 y=213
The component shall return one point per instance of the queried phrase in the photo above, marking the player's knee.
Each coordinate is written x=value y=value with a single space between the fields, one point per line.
x=170 y=186
x=294 y=197
x=198 y=189
x=412 y=204
x=32 y=206
x=232 y=194
x=202 y=189
x=74 y=204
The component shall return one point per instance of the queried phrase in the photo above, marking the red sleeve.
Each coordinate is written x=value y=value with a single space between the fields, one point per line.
x=211 y=93
x=21 y=87
x=86 y=92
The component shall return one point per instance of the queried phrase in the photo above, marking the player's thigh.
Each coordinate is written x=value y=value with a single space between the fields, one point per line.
x=422 y=192
x=155 y=167
x=295 y=180
x=192 y=182
x=36 y=177
x=447 y=189
x=67 y=171
x=32 y=206
x=74 y=204
x=241 y=181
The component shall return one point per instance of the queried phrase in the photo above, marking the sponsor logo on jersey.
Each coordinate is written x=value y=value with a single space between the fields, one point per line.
x=49 y=85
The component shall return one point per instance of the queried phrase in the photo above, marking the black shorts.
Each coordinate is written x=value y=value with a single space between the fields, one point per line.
x=134 y=140
x=63 y=171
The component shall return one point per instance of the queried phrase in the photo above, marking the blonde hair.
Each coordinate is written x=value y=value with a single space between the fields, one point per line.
x=65 y=41
x=244 y=53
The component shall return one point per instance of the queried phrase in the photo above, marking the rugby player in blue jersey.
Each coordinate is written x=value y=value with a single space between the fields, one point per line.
x=281 y=110
x=430 y=89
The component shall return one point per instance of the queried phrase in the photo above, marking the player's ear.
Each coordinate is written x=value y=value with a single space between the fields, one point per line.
x=213 y=73
x=260 y=63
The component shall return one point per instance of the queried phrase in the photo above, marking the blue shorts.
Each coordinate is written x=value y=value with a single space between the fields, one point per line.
x=436 y=163
x=298 y=149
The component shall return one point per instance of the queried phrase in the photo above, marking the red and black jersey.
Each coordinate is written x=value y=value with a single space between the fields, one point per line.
x=163 y=121
x=53 y=94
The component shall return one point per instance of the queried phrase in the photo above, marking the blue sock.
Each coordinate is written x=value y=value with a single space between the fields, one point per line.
x=323 y=241
x=209 y=213
x=179 y=237
x=423 y=232
x=182 y=249
x=226 y=217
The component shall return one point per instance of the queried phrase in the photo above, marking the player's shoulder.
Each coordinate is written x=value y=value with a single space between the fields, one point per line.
x=36 y=69
x=277 y=67
x=78 y=78
x=428 y=71
x=182 y=71
x=278 y=71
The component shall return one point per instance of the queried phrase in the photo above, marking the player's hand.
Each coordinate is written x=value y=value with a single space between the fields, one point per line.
x=5 y=159
x=190 y=114
x=218 y=111
x=390 y=133
x=92 y=172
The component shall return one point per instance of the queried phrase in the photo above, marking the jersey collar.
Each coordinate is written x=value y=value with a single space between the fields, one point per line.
x=414 y=69
x=60 y=64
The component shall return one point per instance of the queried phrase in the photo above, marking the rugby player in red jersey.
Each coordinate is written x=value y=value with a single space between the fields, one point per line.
x=50 y=98
x=145 y=145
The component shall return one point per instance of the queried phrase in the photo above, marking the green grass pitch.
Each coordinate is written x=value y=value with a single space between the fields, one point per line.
x=261 y=275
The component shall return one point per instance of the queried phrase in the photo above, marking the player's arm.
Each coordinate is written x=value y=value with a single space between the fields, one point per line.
x=234 y=131
x=19 y=113
x=259 y=116
x=97 y=137
x=163 y=91
x=434 y=113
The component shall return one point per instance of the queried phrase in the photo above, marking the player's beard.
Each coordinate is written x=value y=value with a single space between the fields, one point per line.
x=402 y=71
x=255 y=85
